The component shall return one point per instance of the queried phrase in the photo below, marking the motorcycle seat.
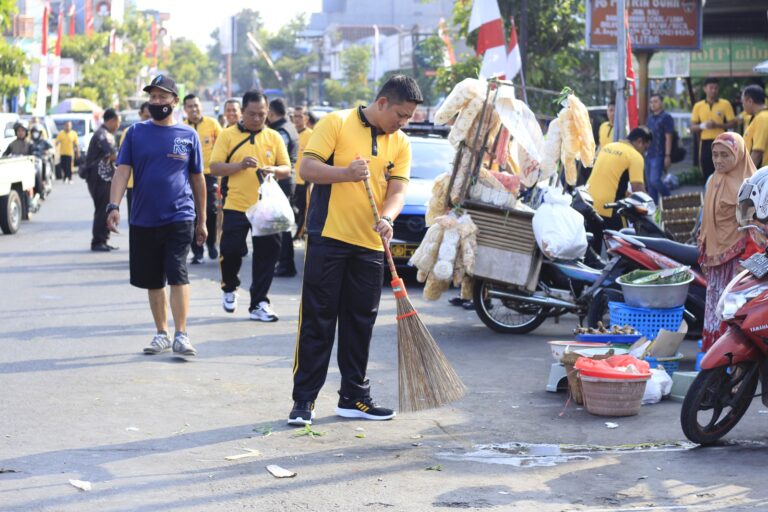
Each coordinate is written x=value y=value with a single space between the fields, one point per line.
x=683 y=253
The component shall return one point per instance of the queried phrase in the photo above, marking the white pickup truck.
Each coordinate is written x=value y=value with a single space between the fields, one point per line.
x=17 y=197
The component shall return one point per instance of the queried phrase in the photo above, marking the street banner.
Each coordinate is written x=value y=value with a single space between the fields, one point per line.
x=653 y=24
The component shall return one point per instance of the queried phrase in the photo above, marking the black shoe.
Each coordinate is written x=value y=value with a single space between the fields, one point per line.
x=364 y=408
x=303 y=413
x=197 y=260
x=213 y=253
x=282 y=272
x=100 y=248
x=458 y=301
x=468 y=305
x=112 y=247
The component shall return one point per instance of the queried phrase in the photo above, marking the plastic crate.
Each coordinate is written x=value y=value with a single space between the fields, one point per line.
x=646 y=321
x=670 y=364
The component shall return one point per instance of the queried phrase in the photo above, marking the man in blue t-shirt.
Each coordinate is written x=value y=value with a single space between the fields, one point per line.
x=658 y=158
x=168 y=187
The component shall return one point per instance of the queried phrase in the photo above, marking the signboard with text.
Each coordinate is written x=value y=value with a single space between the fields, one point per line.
x=653 y=24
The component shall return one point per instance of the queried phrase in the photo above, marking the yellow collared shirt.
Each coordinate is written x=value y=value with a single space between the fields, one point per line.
x=208 y=130
x=266 y=146
x=720 y=112
x=341 y=210
x=756 y=135
x=617 y=165
x=605 y=134
x=304 y=136
x=67 y=142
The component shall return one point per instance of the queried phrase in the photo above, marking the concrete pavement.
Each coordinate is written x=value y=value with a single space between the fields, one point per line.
x=80 y=401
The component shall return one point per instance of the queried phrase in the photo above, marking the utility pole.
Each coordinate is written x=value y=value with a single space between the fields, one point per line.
x=620 y=120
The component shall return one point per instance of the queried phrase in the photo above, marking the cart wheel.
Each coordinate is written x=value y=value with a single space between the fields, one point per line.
x=508 y=316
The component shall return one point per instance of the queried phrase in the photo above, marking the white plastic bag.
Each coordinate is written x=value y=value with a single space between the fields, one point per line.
x=559 y=229
x=272 y=213
x=659 y=385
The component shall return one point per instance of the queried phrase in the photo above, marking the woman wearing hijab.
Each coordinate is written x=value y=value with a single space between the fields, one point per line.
x=721 y=244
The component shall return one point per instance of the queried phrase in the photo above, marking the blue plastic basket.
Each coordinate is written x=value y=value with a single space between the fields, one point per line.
x=646 y=321
x=670 y=364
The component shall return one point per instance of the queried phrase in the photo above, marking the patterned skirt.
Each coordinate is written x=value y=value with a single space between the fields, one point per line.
x=718 y=278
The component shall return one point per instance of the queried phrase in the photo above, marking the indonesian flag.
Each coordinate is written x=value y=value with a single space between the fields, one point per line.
x=632 y=109
x=71 y=14
x=490 y=40
x=88 y=17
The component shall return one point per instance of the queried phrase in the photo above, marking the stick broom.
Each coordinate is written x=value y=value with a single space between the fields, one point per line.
x=425 y=377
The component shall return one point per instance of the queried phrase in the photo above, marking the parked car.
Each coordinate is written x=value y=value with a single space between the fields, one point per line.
x=17 y=197
x=431 y=156
x=83 y=124
x=7 y=120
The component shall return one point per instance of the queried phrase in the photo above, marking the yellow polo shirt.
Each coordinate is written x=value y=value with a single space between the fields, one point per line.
x=304 y=136
x=208 y=130
x=67 y=142
x=756 y=135
x=617 y=165
x=720 y=112
x=266 y=146
x=342 y=211
x=605 y=134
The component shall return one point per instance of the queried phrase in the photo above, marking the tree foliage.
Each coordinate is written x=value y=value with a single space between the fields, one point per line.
x=189 y=65
x=7 y=10
x=13 y=74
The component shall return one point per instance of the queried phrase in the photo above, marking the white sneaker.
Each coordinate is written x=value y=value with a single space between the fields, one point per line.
x=182 y=346
x=229 y=302
x=159 y=344
x=264 y=313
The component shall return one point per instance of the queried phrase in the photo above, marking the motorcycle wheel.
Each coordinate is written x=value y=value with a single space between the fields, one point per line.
x=716 y=401
x=506 y=316
x=598 y=307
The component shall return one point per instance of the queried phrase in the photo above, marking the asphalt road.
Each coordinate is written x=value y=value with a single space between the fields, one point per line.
x=80 y=402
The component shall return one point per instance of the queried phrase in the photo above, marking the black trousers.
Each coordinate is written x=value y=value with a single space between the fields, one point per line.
x=300 y=205
x=342 y=284
x=129 y=199
x=211 y=186
x=99 y=190
x=66 y=166
x=286 y=261
x=266 y=250
x=705 y=159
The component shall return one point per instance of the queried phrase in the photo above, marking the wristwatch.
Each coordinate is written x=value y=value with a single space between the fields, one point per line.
x=388 y=220
x=112 y=206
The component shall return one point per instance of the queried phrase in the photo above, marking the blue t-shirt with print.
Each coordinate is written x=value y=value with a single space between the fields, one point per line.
x=162 y=158
x=659 y=125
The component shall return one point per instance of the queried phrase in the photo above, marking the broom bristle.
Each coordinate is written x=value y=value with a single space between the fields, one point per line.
x=426 y=378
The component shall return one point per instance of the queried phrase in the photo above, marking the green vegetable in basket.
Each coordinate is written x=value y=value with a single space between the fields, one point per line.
x=657 y=277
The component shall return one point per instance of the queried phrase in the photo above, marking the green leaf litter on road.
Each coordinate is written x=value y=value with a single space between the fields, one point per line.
x=307 y=431
x=438 y=467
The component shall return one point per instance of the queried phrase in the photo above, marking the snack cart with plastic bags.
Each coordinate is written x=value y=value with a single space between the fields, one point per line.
x=494 y=130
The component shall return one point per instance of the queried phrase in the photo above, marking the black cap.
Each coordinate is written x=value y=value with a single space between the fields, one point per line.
x=163 y=82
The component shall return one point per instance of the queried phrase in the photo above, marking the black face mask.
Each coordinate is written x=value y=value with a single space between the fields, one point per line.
x=160 y=112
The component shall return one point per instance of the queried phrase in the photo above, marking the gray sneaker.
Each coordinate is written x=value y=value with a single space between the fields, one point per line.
x=182 y=346
x=159 y=344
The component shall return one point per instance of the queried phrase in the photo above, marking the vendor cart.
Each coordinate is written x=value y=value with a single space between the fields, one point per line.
x=510 y=292
x=508 y=261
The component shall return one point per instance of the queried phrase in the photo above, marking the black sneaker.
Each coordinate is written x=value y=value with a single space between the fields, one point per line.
x=364 y=408
x=213 y=253
x=303 y=413
x=197 y=260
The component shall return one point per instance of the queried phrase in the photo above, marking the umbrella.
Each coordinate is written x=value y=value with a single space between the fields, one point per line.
x=71 y=105
x=762 y=67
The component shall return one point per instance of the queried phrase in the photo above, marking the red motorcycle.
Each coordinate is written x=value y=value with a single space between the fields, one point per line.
x=731 y=369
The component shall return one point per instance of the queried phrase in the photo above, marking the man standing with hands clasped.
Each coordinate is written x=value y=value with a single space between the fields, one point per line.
x=344 y=262
x=168 y=187
x=243 y=155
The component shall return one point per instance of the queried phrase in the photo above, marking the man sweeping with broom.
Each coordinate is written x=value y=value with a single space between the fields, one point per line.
x=344 y=262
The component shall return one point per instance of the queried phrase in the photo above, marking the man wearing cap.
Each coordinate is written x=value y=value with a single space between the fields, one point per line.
x=167 y=164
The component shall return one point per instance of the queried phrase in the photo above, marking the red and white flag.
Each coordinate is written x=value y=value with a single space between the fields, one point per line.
x=490 y=39
x=632 y=108
x=514 y=60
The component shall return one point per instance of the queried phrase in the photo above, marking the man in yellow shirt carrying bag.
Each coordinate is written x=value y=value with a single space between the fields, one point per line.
x=243 y=154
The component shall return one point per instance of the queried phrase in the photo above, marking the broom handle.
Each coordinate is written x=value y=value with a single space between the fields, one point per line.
x=387 y=252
